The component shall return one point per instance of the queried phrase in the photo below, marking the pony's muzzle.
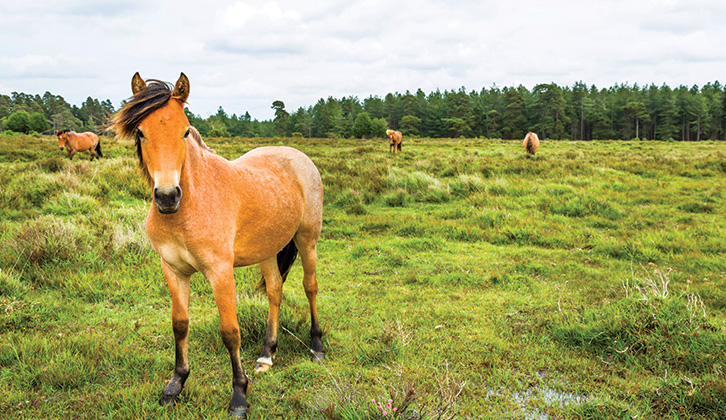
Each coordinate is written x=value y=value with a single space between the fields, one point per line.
x=167 y=200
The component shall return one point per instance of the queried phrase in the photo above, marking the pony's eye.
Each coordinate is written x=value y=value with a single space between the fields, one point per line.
x=139 y=135
x=187 y=133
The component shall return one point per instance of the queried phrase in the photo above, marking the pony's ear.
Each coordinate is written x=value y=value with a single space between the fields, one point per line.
x=137 y=83
x=181 y=89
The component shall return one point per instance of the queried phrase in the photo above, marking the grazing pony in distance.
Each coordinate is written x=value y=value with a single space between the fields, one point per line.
x=531 y=143
x=211 y=215
x=395 y=139
x=79 y=142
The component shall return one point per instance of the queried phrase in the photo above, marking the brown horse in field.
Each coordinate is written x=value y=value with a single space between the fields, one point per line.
x=531 y=143
x=212 y=215
x=395 y=140
x=79 y=142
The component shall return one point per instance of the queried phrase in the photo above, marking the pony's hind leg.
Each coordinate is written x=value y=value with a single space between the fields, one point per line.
x=309 y=257
x=273 y=284
x=225 y=295
x=179 y=291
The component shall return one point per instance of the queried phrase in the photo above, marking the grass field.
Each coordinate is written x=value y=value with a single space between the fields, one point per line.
x=459 y=279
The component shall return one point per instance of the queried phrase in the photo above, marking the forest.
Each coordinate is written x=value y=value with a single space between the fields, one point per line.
x=577 y=112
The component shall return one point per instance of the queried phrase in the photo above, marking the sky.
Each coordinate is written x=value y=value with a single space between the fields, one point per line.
x=243 y=55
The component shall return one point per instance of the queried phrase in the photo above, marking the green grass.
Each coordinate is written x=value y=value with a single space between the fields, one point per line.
x=459 y=279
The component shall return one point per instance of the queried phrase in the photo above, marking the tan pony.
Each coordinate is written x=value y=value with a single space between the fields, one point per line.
x=531 y=143
x=395 y=140
x=212 y=215
x=79 y=142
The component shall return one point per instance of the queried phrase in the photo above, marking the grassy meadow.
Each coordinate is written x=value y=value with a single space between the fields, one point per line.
x=458 y=279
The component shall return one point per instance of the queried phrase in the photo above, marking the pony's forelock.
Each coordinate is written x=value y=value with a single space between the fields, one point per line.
x=155 y=95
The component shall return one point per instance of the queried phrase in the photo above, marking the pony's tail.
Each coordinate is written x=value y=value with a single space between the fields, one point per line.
x=98 y=149
x=530 y=145
x=285 y=259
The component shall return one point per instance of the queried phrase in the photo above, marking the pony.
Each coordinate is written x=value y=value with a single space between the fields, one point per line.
x=531 y=143
x=211 y=215
x=395 y=138
x=79 y=142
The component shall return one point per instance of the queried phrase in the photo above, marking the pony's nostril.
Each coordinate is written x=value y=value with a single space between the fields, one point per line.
x=178 y=193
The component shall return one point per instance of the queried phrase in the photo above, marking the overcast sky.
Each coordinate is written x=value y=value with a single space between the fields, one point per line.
x=243 y=55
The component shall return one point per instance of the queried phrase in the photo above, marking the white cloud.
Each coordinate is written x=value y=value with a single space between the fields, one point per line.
x=27 y=64
x=240 y=14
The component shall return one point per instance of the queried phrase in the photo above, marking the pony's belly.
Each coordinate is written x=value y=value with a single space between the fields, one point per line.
x=252 y=255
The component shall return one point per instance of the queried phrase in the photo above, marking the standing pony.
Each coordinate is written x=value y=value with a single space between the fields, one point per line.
x=395 y=139
x=75 y=142
x=531 y=143
x=211 y=215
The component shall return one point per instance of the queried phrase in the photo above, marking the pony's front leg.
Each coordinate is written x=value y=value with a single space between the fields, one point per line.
x=222 y=281
x=273 y=283
x=179 y=290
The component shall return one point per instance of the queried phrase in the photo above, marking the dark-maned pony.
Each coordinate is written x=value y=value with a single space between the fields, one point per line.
x=395 y=140
x=212 y=215
x=531 y=143
x=79 y=142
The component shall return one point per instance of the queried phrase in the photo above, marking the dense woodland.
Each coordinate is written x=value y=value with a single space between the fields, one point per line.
x=575 y=112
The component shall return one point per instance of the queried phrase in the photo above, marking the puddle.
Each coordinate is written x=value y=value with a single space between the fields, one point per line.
x=550 y=397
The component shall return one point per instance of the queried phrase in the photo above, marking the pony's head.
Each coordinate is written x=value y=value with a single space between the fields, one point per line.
x=62 y=138
x=154 y=117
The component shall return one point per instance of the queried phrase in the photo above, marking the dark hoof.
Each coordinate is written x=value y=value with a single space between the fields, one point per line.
x=317 y=356
x=239 y=412
x=168 y=400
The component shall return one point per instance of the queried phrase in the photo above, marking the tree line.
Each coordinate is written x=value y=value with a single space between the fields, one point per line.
x=577 y=112
x=25 y=113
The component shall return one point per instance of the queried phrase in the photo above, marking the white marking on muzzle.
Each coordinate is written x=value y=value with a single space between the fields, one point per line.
x=168 y=179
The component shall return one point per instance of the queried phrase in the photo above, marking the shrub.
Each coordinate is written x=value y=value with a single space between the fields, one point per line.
x=419 y=186
x=44 y=241
x=466 y=184
x=18 y=121
x=68 y=203
x=352 y=201
x=398 y=198
x=32 y=189
x=53 y=164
